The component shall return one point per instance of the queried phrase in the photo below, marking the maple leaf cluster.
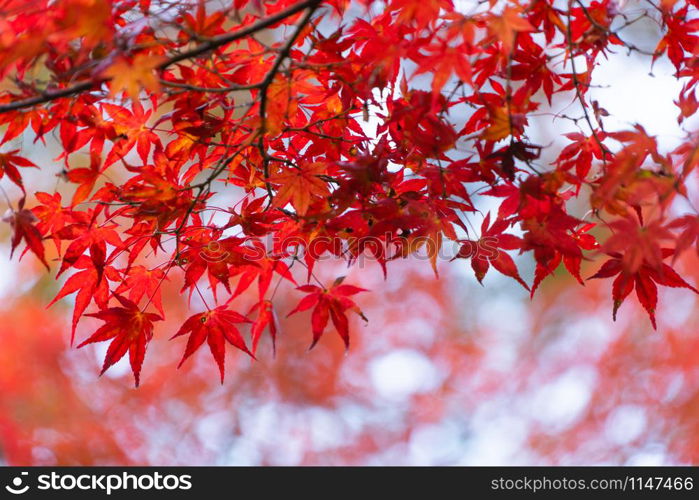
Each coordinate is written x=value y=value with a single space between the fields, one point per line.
x=163 y=109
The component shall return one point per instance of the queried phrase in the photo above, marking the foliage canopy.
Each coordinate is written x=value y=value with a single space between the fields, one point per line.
x=221 y=144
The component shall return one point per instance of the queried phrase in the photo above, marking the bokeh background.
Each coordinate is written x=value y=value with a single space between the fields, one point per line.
x=446 y=372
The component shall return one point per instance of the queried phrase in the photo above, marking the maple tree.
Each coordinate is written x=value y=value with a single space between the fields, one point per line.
x=213 y=142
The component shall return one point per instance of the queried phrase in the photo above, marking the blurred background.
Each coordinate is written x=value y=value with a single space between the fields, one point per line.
x=446 y=372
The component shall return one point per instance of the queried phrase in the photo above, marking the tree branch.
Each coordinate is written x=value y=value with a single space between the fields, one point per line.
x=220 y=40
x=576 y=83
x=205 y=47
x=269 y=78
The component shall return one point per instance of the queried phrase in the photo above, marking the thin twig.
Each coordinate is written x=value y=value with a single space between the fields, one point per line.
x=199 y=50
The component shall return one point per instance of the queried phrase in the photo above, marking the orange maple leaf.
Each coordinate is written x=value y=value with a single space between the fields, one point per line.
x=299 y=185
x=500 y=126
x=131 y=76
x=506 y=26
x=91 y=19
x=281 y=104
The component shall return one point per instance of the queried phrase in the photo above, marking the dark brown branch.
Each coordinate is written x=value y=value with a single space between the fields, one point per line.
x=609 y=32
x=576 y=83
x=220 y=40
x=269 y=78
x=51 y=95
x=213 y=90
x=205 y=47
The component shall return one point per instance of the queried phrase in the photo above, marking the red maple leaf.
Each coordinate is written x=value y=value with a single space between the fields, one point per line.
x=216 y=326
x=329 y=304
x=142 y=281
x=253 y=219
x=690 y=234
x=52 y=216
x=93 y=236
x=639 y=244
x=266 y=317
x=643 y=280
x=133 y=131
x=8 y=165
x=206 y=253
x=85 y=177
x=129 y=329
x=90 y=285
x=22 y=222
x=490 y=248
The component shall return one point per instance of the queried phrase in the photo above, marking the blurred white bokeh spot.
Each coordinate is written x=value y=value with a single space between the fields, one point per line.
x=558 y=404
x=625 y=424
x=402 y=373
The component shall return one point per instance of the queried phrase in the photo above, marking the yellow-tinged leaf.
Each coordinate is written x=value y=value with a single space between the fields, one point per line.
x=130 y=77
x=280 y=105
x=500 y=126
x=298 y=186
x=91 y=19
x=334 y=104
x=506 y=27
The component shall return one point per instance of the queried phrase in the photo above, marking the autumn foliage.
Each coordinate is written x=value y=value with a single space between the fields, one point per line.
x=233 y=148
